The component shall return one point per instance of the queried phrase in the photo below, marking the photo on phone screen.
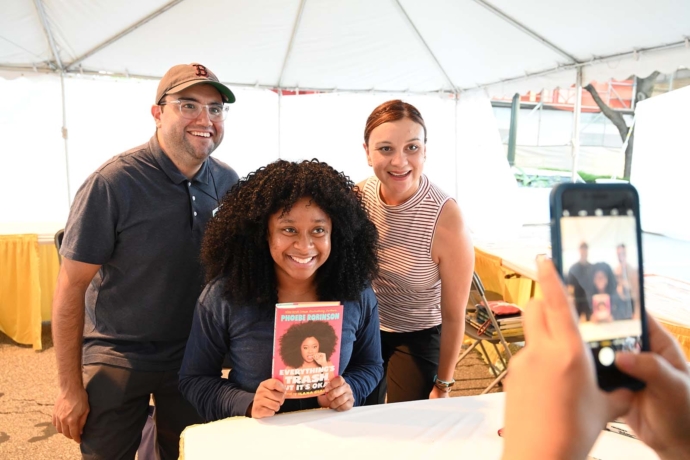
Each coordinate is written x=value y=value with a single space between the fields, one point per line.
x=600 y=263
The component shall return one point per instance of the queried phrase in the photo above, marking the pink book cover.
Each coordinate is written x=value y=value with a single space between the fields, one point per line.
x=601 y=308
x=306 y=346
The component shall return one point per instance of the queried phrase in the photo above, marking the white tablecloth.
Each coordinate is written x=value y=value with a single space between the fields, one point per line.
x=464 y=427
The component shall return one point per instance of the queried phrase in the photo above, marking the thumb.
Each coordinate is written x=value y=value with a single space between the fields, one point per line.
x=274 y=385
x=650 y=368
x=618 y=403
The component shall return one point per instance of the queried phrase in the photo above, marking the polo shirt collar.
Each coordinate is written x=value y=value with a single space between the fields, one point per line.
x=166 y=164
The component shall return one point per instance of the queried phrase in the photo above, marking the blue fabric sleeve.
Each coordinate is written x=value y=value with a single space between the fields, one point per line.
x=201 y=382
x=365 y=369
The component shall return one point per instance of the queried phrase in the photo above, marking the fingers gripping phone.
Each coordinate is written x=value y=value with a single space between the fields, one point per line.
x=596 y=247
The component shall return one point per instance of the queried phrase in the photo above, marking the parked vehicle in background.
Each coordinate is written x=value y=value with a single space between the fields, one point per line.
x=542 y=178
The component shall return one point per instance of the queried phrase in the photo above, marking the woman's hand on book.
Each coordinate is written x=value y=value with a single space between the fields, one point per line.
x=338 y=395
x=268 y=398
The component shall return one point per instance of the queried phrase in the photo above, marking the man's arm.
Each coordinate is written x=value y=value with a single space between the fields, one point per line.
x=71 y=406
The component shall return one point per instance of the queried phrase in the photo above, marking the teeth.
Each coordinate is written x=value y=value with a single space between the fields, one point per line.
x=301 y=261
x=196 y=133
x=399 y=175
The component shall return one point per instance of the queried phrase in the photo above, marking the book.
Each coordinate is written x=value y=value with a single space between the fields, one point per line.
x=601 y=308
x=621 y=428
x=508 y=319
x=487 y=328
x=503 y=323
x=306 y=346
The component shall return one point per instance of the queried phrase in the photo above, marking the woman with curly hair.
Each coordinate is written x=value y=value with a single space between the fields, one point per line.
x=426 y=255
x=289 y=232
x=309 y=345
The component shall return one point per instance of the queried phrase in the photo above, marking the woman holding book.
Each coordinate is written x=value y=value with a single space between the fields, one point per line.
x=289 y=232
x=426 y=259
x=606 y=303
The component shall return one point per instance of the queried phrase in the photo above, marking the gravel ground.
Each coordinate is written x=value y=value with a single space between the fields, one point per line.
x=28 y=386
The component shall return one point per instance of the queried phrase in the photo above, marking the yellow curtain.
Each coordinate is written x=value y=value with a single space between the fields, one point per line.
x=511 y=286
x=682 y=334
x=20 y=289
x=49 y=266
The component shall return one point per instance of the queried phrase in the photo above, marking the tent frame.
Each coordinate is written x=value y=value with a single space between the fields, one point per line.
x=573 y=63
x=56 y=65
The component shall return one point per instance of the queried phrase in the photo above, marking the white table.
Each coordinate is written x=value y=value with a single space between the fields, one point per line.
x=463 y=427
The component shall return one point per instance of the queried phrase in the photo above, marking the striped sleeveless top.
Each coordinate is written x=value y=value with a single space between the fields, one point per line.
x=408 y=287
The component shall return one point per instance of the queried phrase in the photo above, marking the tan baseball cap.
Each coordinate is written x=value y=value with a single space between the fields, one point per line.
x=183 y=76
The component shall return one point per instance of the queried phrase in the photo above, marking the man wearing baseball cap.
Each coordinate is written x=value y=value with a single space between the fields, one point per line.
x=131 y=275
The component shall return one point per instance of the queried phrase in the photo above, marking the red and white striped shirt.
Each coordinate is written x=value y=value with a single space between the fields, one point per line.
x=408 y=287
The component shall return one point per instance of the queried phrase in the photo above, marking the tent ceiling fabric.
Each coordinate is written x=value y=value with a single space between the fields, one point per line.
x=354 y=45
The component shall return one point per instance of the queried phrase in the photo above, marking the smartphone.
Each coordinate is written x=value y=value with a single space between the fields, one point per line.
x=596 y=245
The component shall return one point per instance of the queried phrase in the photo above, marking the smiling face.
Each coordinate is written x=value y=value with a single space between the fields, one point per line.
x=601 y=281
x=397 y=152
x=309 y=348
x=299 y=242
x=188 y=142
x=584 y=253
x=622 y=256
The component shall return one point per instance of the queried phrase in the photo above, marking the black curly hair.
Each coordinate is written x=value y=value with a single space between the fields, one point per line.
x=291 y=341
x=235 y=244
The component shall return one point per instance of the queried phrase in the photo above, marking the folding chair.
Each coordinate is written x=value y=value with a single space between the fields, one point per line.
x=58 y=242
x=478 y=296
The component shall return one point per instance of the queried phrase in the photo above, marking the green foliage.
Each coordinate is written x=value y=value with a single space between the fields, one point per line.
x=591 y=178
x=548 y=177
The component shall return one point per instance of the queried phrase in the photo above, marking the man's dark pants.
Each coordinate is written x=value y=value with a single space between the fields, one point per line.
x=119 y=403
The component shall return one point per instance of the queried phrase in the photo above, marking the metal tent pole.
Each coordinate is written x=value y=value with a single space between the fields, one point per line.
x=280 y=122
x=65 y=139
x=575 y=140
x=58 y=63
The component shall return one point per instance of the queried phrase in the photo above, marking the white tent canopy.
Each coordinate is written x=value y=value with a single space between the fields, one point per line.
x=352 y=45
x=380 y=48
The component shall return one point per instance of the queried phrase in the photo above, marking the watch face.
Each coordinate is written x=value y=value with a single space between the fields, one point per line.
x=443 y=386
x=438 y=381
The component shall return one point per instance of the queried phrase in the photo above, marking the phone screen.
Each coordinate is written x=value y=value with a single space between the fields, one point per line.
x=601 y=267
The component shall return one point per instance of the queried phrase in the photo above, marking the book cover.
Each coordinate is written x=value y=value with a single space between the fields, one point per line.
x=601 y=308
x=306 y=346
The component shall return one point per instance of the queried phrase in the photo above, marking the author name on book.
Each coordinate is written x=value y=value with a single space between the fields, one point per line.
x=311 y=317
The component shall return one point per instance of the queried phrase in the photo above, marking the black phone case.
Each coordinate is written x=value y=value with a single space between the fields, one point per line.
x=609 y=378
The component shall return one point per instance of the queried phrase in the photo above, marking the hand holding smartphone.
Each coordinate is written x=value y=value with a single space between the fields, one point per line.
x=596 y=247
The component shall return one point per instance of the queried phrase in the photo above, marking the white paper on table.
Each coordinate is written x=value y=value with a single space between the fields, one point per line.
x=612 y=446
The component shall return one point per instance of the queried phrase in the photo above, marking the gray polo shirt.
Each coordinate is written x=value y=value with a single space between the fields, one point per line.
x=140 y=219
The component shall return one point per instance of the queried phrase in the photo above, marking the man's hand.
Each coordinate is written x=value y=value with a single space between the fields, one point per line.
x=660 y=413
x=338 y=395
x=69 y=413
x=72 y=404
x=554 y=407
x=268 y=398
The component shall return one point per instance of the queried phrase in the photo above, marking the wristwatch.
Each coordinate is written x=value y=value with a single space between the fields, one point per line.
x=443 y=385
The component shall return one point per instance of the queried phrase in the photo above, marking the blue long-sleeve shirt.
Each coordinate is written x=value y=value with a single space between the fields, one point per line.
x=245 y=335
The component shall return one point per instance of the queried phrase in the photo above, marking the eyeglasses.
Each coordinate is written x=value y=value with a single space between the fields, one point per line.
x=192 y=109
